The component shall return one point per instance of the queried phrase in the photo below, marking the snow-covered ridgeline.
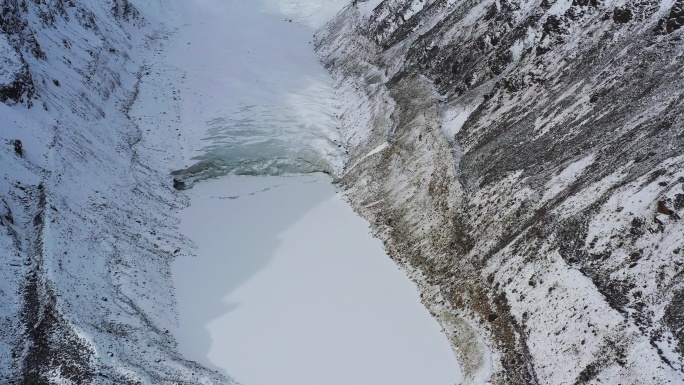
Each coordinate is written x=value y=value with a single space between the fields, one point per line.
x=87 y=230
x=553 y=248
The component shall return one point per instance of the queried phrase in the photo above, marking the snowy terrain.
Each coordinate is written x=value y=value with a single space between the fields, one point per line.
x=102 y=102
x=88 y=230
x=253 y=98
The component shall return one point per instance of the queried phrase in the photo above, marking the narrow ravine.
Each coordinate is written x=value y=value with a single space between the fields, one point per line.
x=287 y=286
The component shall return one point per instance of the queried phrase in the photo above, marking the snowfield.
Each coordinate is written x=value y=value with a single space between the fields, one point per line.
x=287 y=285
x=253 y=98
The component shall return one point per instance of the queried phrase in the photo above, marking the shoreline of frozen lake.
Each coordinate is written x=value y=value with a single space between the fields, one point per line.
x=288 y=287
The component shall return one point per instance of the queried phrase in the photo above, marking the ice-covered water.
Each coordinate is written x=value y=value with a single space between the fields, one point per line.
x=268 y=107
x=267 y=139
x=289 y=288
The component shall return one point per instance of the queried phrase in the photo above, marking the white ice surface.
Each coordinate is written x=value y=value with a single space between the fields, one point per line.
x=9 y=62
x=289 y=288
x=244 y=63
x=313 y=13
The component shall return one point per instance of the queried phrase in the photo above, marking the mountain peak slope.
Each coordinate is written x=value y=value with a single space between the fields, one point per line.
x=533 y=179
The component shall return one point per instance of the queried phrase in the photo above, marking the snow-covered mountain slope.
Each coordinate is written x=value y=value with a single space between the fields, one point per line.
x=525 y=161
x=86 y=225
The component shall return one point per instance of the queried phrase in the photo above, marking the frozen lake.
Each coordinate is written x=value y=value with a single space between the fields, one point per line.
x=289 y=288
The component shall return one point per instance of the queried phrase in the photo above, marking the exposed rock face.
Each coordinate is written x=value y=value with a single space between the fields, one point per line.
x=525 y=161
x=16 y=40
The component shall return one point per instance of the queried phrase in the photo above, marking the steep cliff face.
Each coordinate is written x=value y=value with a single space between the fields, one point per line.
x=525 y=161
x=86 y=225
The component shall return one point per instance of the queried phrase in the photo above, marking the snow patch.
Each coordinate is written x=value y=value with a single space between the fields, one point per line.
x=377 y=150
x=561 y=181
x=455 y=118
x=367 y=7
